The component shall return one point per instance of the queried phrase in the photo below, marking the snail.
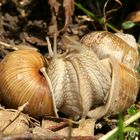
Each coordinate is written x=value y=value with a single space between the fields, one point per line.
x=22 y=81
x=73 y=86
x=123 y=91
x=118 y=53
x=85 y=81
x=120 y=45
x=78 y=83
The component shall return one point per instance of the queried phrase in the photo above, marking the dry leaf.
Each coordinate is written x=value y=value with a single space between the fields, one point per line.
x=85 y=128
x=69 y=10
x=54 y=4
x=45 y=132
x=134 y=16
x=119 y=2
x=55 y=9
x=20 y=125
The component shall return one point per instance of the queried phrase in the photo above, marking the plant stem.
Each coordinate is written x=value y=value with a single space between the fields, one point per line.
x=126 y=123
x=92 y=15
x=112 y=27
x=89 y=13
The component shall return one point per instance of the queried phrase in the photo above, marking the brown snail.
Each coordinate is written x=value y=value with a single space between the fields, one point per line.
x=77 y=83
x=76 y=86
x=22 y=81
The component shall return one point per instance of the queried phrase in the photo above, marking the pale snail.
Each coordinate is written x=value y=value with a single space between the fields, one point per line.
x=119 y=53
x=75 y=82
x=122 y=46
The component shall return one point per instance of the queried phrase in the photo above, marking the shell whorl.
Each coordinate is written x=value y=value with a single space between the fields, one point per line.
x=105 y=44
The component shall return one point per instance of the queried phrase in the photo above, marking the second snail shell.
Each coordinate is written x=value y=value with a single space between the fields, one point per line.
x=105 y=43
x=123 y=91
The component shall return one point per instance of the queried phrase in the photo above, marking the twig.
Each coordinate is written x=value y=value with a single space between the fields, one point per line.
x=30 y=136
x=58 y=126
x=104 y=12
x=92 y=15
x=63 y=122
x=126 y=123
x=17 y=113
x=61 y=119
x=8 y=45
x=87 y=12
x=112 y=27
x=4 y=44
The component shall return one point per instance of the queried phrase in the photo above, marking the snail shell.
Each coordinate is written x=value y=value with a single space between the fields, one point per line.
x=22 y=81
x=111 y=48
x=105 y=43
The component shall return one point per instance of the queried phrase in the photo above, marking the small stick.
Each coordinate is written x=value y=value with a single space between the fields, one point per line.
x=104 y=12
x=126 y=123
x=4 y=44
x=58 y=126
x=8 y=46
x=61 y=119
x=17 y=113
x=30 y=136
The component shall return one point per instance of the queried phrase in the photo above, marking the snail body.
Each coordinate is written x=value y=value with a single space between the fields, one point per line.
x=85 y=82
